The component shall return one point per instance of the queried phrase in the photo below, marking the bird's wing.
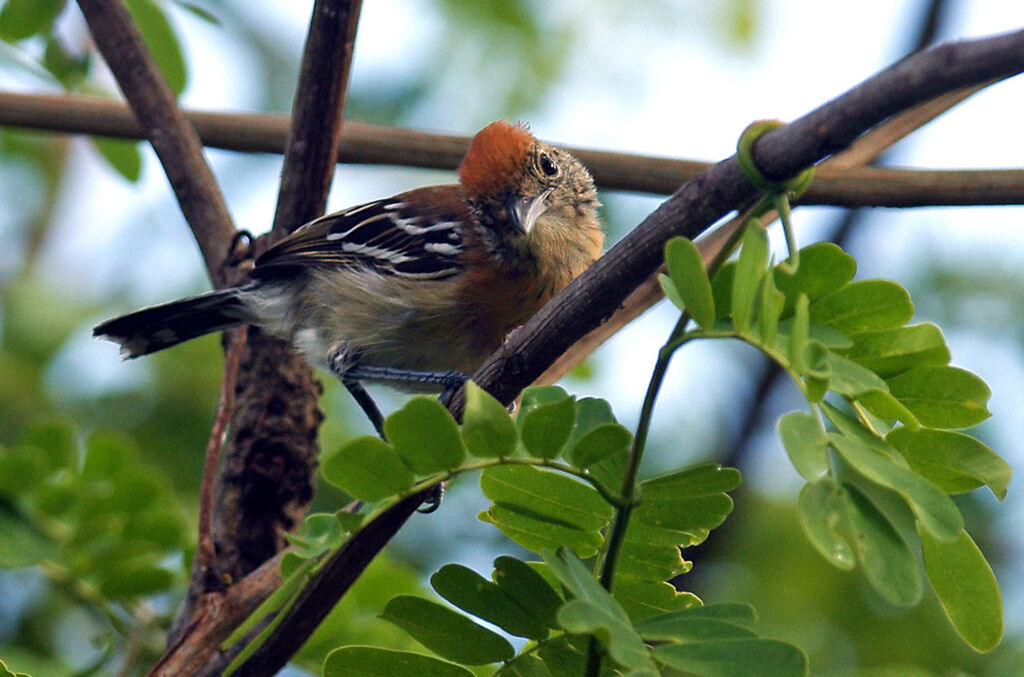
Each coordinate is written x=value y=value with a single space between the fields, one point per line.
x=416 y=234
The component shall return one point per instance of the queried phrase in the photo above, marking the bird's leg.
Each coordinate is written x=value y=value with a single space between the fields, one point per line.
x=447 y=380
x=341 y=366
x=351 y=374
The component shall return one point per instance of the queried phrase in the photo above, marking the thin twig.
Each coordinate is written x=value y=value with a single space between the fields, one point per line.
x=377 y=144
x=173 y=138
x=206 y=554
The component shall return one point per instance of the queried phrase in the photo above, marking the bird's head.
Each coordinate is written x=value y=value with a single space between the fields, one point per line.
x=519 y=186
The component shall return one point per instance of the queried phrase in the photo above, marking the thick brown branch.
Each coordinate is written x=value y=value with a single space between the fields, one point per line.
x=217 y=614
x=376 y=144
x=594 y=296
x=173 y=138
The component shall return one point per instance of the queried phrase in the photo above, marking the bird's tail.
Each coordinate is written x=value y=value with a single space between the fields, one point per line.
x=157 y=327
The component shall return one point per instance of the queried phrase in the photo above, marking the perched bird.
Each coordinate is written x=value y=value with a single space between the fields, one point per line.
x=413 y=290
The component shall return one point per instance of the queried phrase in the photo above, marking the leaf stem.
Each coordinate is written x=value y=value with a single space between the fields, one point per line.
x=629 y=494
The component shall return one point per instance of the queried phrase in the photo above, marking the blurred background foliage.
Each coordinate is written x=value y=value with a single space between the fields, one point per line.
x=90 y=230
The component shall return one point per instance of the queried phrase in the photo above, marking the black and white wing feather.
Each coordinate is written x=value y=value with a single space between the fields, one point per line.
x=416 y=234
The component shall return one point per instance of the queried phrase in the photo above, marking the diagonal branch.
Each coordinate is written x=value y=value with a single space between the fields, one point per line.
x=596 y=294
x=173 y=138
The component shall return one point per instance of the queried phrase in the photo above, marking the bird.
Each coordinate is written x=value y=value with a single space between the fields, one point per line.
x=414 y=290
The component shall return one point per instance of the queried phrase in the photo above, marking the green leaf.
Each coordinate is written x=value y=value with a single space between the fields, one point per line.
x=855 y=429
x=55 y=438
x=320 y=532
x=594 y=611
x=68 y=67
x=647 y=560
x=893 y=351
x=865 y=305
x=735 y=658
x=645 y=598
x=750 y=268
x=134 y=578
x=527 y=588
x=942 y=397
x=546 y=428
x=200 y=12
x=824 y=268
x=22 y=543
x=806 y=443
x=798 y=336
x=682 y=627
x=7 y=672
x=524 y=665
x=889 y=563
x=544 y=492
x=602 y=442
x=541 y=509
x=368 y=469
x=447 y=633
x=691 y=501
x=161 y=40
x=851 y=379
x=362 y=661
x=952 y=461
x=108 y=454
x=690 y=278
x=20 y=19
x=738 y=614
x=590 y=413
x=535 y=396
x=966 y=587
x=566 y=656
x=542 y=533
x=487 y=429
x=933 y=508
x=704 y=479
x=721 y=290
x=822 y=516
x=670 y=291
x=769 y=311
x=21 y=470
x=881 y=403
x=474 y=594
x=425 y=436
x=124 y=156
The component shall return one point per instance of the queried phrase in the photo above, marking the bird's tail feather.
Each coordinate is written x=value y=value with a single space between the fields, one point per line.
x=157 y=327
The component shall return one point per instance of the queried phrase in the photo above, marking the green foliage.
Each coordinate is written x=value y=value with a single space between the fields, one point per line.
x=892 y=398
x=96 y=521
x=105 y=519
x=21 y=19
x=554 y=478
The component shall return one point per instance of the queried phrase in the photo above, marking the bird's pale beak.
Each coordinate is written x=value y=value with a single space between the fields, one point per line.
x=524 y=211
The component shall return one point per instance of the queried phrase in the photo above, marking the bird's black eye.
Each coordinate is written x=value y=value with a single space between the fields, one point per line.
x=547 y=165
